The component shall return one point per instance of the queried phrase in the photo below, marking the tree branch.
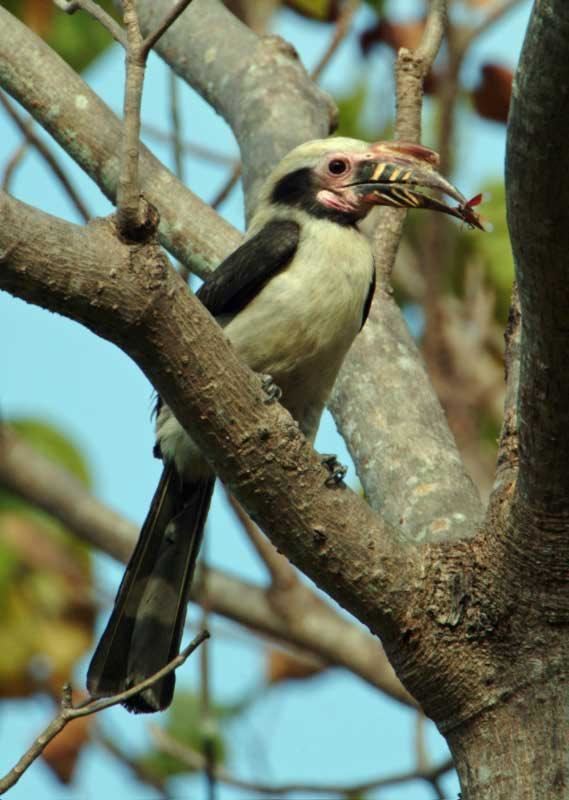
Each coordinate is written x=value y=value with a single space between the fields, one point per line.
x=70 y=712
x=257 y=85
x=131 y=216
x=406 y=457
x=312 y=625
x=94 y=9
x=195 y=761
x=190 y=230
x=283 y=576
x=91 y=134
x=537 y=199
x=47 y=155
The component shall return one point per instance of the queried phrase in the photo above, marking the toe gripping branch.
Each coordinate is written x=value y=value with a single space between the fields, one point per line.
x=337 y=472
x=273 y=392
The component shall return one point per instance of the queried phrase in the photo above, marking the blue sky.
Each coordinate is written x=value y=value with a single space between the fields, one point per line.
x=331 y=728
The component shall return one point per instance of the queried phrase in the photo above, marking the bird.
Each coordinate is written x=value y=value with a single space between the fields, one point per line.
x=291 y=300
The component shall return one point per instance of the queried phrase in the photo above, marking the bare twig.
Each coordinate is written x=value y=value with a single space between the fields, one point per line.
x=176 y=125
x=48 y=156
x=193 y=148
x=410 y=71
x=282 y=573
x=130 y=210
x=69 y=712
x=98 y=13
x=495 y=14
x=208 y=722
x=135 y=765
x=340 y=32
x=13 y=163
x=195 y=761
x=228 y=186
x=168 y=20
x=134 y=215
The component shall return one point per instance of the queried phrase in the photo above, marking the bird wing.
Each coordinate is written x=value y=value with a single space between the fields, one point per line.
x=243 y=274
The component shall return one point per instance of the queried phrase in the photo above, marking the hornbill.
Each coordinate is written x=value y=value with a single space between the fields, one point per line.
x=291 y=300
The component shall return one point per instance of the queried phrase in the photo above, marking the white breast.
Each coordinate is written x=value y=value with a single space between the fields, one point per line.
x=300 y=326
x=298 y=329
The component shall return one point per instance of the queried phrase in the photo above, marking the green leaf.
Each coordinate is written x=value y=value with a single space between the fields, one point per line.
x=51 y=442
x=77 y=37
x=186 y=723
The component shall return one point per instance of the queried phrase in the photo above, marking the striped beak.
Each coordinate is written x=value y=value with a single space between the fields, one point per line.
x=404 y=175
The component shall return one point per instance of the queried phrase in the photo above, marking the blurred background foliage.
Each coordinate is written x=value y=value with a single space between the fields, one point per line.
x=455 y=287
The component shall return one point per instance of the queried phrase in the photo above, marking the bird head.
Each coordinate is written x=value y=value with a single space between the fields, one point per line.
x=342 y=179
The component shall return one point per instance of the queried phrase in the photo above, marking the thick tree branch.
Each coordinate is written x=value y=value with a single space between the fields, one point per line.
x=91 y=134
x=383 y=400
x=198 y=237
x=537 y=170
x=508 y=449
x=310 y=624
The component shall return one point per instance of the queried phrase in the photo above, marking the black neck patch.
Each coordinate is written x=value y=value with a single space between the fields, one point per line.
x=298 y=190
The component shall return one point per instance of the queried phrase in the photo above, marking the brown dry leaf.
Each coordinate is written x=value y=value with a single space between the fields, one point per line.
x=492 y=97
x=283 y=666
x=38 y=15
x=394 y=34
x=397 y=35
x=62 y=753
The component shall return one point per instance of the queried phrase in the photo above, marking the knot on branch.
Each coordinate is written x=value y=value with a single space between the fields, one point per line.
x=140 y=227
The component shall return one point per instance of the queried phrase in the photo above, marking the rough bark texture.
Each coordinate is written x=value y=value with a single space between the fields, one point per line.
x=406 y=456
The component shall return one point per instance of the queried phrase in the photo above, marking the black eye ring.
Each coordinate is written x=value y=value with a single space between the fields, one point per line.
x=337 y=166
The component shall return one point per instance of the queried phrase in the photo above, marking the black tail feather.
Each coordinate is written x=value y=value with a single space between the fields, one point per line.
x=145 y=628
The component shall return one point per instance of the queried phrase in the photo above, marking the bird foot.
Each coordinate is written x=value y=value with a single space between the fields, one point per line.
x=273 y=392
x=337 y=471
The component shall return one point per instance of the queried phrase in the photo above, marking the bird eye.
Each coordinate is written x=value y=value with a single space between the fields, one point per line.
x=337 y=166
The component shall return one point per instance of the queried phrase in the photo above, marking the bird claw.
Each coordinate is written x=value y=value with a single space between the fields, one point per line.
x=273 y=392
x=337 y=471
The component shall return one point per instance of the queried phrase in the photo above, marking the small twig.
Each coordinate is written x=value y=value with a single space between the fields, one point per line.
x=208 y=721
x=168 y=20
x=491 y=17
x=130 y=210
x=13 y=163
x=176 y=124
x=421 y=755
x=410 y=71
x=46 y=153
x=134 y=216
x=282 y=573
x=98 y=13
x=136 y=766
x=341 y=30
x=69 y=712
x=206 y=153
x=228 y=186
x=195 y=761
